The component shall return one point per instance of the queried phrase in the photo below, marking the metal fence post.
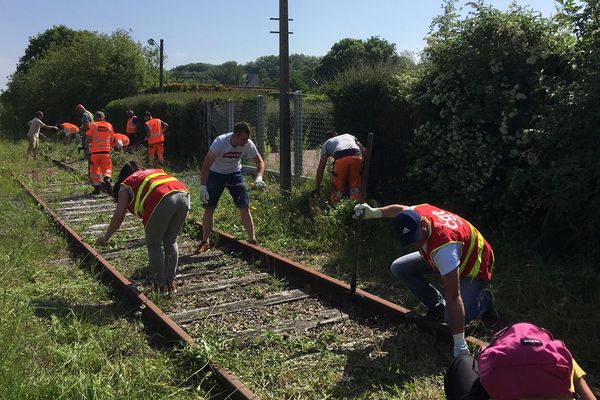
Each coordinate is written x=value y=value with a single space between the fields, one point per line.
x=298 y=136
x=260 y=125
x=208 y=122
x=230 y=114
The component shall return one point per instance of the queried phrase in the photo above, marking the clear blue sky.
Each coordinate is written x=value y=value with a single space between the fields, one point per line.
x=223 y=30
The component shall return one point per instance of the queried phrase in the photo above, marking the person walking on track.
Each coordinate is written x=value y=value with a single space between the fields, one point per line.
x=155 y=133
x=347 y=153
x=86 y=119
x=100 y=137
x=33 y=135
x=449 y=245
x=163 y=203
x=222 y=168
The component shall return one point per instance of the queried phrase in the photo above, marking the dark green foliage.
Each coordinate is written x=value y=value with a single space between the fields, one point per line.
x=377 y=99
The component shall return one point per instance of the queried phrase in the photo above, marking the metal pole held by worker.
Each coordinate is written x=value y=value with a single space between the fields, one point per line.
x=359 y=221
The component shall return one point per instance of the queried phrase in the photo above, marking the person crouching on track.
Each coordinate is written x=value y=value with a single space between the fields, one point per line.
x=155 y=134
x=163 y=203
x=100 y=137
x=222 y=167
x=70 y=131
x=449 y=245
x=347 y=153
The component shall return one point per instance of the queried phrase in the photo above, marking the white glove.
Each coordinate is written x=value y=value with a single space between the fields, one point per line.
x=366 y=212
x=260 y=184
x=204 y=194
x=460 y=345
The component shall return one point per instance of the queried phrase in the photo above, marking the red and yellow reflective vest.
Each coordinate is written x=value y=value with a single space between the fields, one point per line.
x=123 y=138
x=102 y=136
x=477 y=258
x=149 y=187
x=130 y=130
x=70 y=128
x=155 y=127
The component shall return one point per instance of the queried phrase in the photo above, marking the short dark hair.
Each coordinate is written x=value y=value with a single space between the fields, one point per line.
x=147 y=113
x=38 y=113
x=128 y=169
x=242 y=127
x=330 y=134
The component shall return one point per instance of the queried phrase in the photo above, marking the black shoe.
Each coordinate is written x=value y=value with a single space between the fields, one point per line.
x=96 y=191
x=108 y=185
x=490 y=317
x=436 y=313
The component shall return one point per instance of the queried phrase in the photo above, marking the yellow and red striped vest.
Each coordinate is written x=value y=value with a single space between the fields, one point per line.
x=477 y=258
x=149 y=187
x=130 y=130
x=102 y=136
x=155 y=126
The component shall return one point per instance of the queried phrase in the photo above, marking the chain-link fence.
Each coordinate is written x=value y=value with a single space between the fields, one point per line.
x=310 y=119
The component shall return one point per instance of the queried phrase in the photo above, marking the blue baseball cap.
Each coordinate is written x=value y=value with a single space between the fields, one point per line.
x=408 y=227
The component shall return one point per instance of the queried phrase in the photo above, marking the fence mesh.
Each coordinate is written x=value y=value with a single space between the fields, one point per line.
x=310 y=119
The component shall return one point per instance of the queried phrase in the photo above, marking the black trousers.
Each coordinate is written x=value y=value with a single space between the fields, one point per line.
x=461 y=381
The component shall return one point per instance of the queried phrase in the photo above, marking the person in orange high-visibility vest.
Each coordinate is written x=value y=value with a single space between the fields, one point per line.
x=155 y=134
x=100 y=137
x=163 y=203
x=121 y=141
x=135 y=128
x=450 y=246
x=70 y=131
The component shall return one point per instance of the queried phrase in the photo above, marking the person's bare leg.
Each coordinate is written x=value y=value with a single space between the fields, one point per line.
x=248 y=223
x=207 y=223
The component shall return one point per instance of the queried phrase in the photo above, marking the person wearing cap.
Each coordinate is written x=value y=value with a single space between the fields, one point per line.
x=86 y=119
x=155 y=134
x=347 y=153
x=222 y=168
x=33 y=134
x=100 y=137
x=450 y=246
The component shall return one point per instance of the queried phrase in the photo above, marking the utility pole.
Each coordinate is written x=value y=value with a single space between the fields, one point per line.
x=161 y=76
x=285 y=157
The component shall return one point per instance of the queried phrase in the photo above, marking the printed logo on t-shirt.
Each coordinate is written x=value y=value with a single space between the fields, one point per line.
x=232 y=154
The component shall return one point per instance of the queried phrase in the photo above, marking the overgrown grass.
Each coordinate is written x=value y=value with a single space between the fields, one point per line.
x=63 y=335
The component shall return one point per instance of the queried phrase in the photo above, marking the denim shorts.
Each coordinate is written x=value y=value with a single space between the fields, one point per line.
x=234 y=183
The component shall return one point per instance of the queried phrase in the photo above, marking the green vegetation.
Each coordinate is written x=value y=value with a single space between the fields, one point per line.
x=63 y=334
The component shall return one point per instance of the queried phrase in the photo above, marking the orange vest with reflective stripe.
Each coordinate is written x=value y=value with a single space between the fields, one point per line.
x=123 y=138
x=102 y=137
x=130 y=130
x=477 y=257
x=149 y=187
x=155 y=126
x=68 y=127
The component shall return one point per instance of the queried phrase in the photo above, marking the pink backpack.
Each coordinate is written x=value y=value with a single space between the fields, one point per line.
x=525 y=361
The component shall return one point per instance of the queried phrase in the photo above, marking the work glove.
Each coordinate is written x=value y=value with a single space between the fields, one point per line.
x=259 y=183
x=366 y=212
x=460 y=345
x=204 y=194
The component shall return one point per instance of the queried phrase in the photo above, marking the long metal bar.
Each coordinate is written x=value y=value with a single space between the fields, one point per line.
x=359 y=222
x=285 y=167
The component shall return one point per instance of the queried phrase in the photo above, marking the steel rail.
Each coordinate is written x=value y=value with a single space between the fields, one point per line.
x=153 y=317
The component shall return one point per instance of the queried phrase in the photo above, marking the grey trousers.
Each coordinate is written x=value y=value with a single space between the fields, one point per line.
x=161 y=233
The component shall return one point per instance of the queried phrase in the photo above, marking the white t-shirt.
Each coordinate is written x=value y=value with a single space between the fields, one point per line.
x=339 y=143
x=34 y=127
x=229 y=158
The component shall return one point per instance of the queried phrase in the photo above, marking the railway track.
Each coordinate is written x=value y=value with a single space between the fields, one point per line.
x=245 y=306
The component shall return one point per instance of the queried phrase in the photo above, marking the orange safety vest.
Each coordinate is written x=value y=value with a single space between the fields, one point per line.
x=477 y=258
x=149 y=187
x=70 y=128
x=123 y=138
x=155 y=126
x=131 y=129
x=102 y=135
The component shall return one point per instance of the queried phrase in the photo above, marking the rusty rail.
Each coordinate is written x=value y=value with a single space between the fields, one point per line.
x=152 y=315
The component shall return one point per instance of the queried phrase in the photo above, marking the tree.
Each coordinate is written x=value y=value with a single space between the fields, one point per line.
x=93 y=69
x=349 y=53
x=229 y=73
